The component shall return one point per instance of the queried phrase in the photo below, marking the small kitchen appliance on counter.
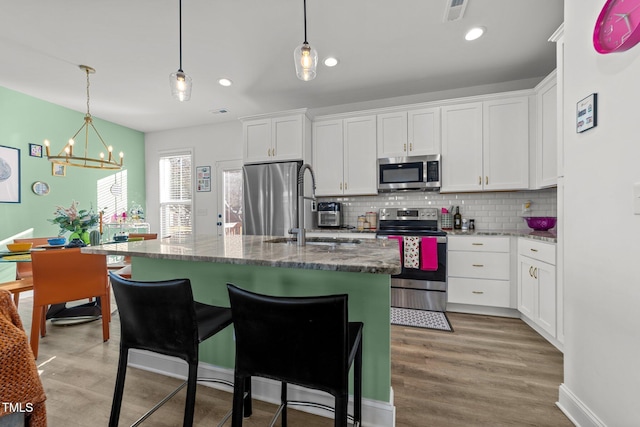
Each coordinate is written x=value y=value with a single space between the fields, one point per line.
x=329 y=214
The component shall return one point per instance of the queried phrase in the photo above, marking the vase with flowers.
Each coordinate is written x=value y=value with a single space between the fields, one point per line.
x=78 y=222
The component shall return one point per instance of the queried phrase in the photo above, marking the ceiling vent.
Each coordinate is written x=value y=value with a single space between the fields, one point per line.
x=454 y=10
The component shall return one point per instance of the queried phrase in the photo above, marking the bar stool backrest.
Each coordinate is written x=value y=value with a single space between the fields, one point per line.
x=299 y=340
x=157 y=316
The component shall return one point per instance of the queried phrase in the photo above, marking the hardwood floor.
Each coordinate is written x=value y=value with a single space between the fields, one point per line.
x=490 y=372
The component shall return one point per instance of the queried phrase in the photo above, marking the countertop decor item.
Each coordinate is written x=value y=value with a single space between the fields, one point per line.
x=78 y=222
x=540 y=223
x=58 y=241
x=618 y=26
x=83 y=158
x=19 y=247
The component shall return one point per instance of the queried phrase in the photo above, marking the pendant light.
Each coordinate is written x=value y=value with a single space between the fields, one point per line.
x=180 y=82
x=305 y=57
x=67 y=157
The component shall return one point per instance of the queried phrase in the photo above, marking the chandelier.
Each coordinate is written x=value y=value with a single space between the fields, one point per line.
x=67 y=157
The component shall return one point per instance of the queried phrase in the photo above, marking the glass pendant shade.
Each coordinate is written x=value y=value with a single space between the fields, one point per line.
x=180 y=85
x=306 y=60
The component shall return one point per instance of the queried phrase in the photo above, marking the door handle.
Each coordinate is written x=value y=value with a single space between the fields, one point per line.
x=479 y=180
x=535 y=273
x=478 y=265
x=530 y=271
x=486 y=180
x=534 y=250
x=410 y=146
x=341 y=186
x=405 y=147
x=477 y=244
x=345 y=185
x=477 y=292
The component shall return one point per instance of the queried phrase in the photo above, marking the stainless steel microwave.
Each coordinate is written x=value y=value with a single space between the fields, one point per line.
x=409 y=173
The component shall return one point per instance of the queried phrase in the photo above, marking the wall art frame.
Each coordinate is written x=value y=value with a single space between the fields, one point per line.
x=35 y=150
x=203 y=178
x=587 y=113
x=58 y=170
x=9 y=174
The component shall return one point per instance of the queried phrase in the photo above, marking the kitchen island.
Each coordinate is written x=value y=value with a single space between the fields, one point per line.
x=265 y=264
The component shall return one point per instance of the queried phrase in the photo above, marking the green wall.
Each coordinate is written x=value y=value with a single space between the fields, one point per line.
x=25 y=120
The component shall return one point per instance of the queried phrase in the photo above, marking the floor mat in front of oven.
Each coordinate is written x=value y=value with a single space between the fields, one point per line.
x=420 y=318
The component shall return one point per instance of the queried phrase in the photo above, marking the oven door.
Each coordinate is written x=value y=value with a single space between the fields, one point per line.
x=422 y=289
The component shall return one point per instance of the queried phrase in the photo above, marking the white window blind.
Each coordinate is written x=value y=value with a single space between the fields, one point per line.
x=176 y=192
x=112 y=195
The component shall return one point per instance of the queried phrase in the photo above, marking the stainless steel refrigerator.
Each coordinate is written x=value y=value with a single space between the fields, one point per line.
x=270 y=198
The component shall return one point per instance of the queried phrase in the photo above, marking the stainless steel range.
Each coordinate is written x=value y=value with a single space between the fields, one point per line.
x=416 y=286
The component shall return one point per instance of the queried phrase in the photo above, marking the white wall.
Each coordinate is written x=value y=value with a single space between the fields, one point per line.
x=602 y=235
x=210 y=144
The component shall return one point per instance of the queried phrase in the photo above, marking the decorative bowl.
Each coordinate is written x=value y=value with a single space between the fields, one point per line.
x=540 y=223
x=58 y=241
x=19 y=247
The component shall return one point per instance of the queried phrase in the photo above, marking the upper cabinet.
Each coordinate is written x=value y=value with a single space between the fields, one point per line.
x=344 y=156
x=485 y=145
x=278 y=138
x=546 y=141
x=409 y=133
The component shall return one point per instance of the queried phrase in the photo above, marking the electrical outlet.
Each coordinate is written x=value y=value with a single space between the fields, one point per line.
x=526 y=207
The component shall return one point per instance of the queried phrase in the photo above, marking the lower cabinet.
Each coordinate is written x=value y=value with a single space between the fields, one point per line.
x=537 y=299
x=479 y=271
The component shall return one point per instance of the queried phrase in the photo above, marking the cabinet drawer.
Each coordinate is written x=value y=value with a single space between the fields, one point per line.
x=535 y=249
x=494 y=293
x=478 y=243
x=481 y=265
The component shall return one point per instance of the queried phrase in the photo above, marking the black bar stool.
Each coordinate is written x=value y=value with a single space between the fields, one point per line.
x=306 y=341
x=162 y=317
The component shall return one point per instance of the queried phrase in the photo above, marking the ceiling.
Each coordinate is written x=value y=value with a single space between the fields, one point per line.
x=386 y=49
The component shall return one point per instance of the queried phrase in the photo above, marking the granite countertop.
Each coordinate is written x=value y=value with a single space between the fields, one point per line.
x=377 y=256
x=550 y=236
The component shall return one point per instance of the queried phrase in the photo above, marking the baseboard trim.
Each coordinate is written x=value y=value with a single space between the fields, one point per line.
x=577 y=412
x=375 y=413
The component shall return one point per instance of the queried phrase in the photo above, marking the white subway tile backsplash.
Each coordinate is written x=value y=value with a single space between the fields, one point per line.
x=491 y=211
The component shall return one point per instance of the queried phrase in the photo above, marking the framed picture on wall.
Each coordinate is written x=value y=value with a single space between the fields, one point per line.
x=587 y=113
x=203 y=178
x=35 y=150
x=9 y=174
x=58 y=170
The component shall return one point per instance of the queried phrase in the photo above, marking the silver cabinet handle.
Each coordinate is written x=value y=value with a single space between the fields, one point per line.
x=477 y=292
x=477 y=244
x=478 y=265
x=533 y=250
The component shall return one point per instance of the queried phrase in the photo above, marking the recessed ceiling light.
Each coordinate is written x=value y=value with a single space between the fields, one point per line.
x=330 y=62
x=474 y=33
x=225 y=82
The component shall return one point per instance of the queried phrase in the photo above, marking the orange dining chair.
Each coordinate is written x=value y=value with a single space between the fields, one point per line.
x=125 y=271
x=66 y=275
x=23 y=269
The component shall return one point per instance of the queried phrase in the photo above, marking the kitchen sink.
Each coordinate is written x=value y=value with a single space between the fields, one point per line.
x=326 y=241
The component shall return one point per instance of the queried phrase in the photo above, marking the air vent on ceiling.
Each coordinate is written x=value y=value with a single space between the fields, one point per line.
x=219 y=111
x=454 y=10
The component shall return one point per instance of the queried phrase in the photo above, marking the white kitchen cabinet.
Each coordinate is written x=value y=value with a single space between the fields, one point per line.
x=344 y=156
x=537 y=284
x=409 y=133
x=479 y=271
x=545 y=160
x=485 y=145
x=278 y=138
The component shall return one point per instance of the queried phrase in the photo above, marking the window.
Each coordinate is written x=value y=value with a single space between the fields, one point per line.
x=176 y=194
x=112 y=195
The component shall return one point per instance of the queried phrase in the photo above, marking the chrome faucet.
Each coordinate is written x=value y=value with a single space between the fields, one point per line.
x=300 y=231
